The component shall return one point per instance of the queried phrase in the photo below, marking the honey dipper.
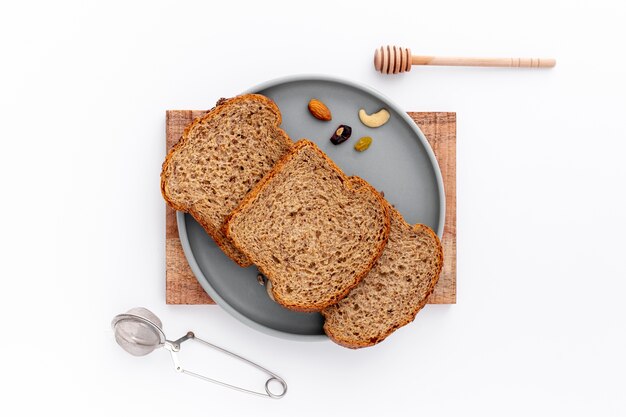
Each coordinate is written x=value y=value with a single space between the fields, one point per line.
x=394 y=59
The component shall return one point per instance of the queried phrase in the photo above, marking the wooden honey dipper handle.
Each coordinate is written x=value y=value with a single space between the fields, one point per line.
x=393 y=59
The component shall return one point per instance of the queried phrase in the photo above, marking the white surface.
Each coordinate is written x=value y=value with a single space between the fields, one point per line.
x=539 y=325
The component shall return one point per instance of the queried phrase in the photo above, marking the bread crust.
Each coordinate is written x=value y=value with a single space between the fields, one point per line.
x=251 y=197
x=209 y=228
x=340 y=339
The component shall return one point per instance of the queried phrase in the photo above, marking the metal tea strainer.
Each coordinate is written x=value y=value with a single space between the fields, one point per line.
x=139 y=332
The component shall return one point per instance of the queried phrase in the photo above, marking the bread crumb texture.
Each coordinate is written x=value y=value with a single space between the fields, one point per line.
x=220 y=158
x=393 y=292
x=310 y=230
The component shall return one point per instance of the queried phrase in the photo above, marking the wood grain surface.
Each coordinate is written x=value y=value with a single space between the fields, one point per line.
x=440 y=130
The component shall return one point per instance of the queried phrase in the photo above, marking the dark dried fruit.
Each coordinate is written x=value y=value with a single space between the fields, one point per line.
x=341 y=135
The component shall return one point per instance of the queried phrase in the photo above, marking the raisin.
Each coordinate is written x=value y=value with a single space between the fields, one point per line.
x=341 y=135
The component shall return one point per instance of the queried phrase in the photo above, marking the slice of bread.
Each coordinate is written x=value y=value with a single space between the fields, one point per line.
x=220 y=158
x=309 y=230
x=393 y=292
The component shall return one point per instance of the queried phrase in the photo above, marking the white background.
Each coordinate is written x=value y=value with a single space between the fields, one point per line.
x=539 y=328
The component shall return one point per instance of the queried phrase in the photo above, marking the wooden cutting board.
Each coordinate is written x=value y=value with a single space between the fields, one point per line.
x=440 y=130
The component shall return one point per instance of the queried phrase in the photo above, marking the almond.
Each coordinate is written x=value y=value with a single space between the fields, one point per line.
x=319 y=110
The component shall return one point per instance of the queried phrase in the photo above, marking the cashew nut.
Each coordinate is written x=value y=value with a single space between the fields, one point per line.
x=374 y=120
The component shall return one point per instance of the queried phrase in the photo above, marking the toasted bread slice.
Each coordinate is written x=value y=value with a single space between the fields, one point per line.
x=220 y=157
x=393 y=292
x=309 y=230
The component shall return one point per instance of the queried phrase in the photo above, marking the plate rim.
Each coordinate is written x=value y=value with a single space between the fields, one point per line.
x=182 y=226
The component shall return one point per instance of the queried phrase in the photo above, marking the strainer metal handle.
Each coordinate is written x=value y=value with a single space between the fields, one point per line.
x=139 y=332
x=174 y=348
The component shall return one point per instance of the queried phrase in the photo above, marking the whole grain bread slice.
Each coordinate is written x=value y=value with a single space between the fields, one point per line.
x=219 y=158
x=393 y=292
x=309 y=230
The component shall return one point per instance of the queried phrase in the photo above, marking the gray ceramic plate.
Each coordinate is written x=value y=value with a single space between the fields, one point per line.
x=399 y=162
